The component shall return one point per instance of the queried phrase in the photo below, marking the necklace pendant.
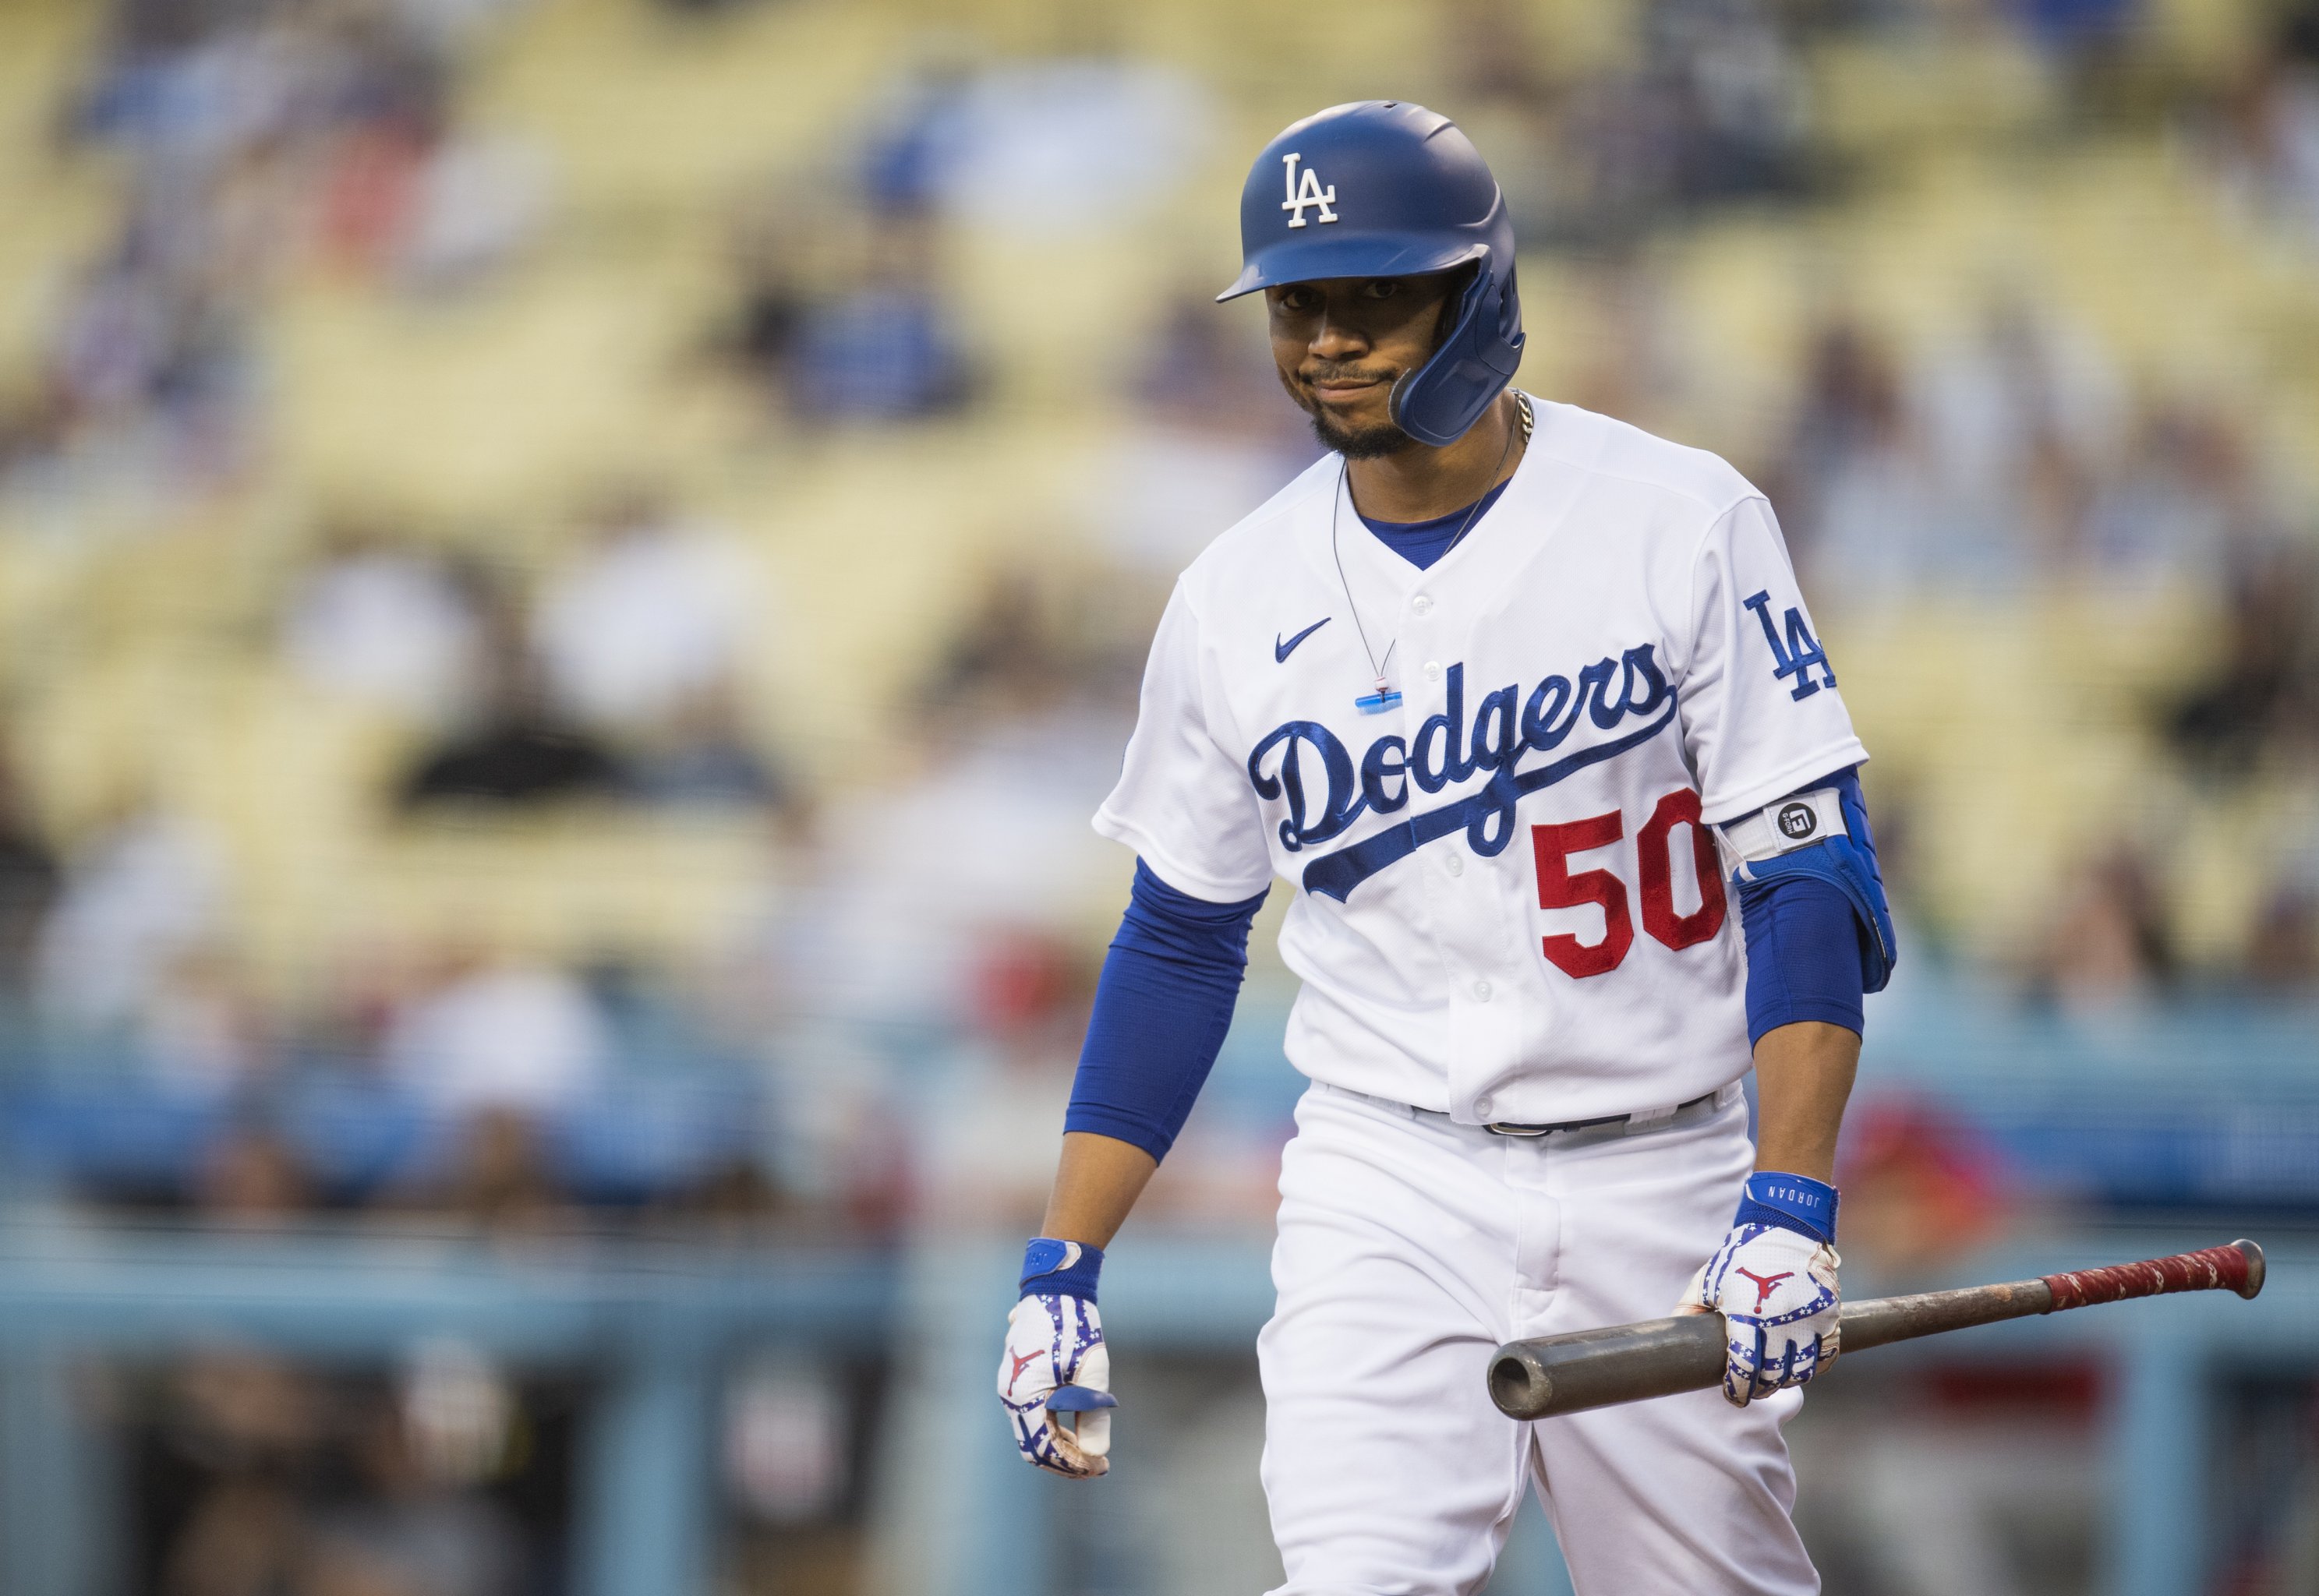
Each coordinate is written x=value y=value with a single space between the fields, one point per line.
x=1378 y=702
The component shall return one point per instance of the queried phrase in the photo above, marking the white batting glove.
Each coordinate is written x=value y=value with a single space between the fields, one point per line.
x=1055 y=1362
x=1773 y=1281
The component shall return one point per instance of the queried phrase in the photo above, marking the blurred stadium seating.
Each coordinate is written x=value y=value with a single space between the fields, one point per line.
x=571 y=570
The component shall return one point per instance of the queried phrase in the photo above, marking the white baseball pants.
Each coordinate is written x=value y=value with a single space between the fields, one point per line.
x=1409 y=1248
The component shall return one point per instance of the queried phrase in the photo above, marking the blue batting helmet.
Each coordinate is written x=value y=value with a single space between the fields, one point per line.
x=1383 y=188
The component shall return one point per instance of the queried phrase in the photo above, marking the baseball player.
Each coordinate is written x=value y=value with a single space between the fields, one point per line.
x=1519 y=700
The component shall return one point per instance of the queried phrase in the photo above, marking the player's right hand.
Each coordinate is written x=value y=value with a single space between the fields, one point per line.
x=1054 y=1353
x=1055 y=1362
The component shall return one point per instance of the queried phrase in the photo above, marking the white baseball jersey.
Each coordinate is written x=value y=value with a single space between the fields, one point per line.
x=1508 y=905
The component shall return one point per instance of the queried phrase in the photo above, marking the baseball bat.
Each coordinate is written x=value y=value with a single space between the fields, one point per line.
x=1625 y=1363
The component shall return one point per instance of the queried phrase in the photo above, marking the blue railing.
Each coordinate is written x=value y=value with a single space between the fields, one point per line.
x=2188 y=1105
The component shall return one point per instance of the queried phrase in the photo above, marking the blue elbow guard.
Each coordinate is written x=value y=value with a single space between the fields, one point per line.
x=1823 y=834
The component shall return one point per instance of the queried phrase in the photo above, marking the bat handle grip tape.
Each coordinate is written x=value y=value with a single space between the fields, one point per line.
x=2237 y=1267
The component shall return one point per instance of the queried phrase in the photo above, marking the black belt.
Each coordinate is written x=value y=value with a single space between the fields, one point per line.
x=1502 y=1128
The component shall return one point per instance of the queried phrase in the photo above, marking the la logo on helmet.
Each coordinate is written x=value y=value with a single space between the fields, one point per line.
x=1309 y=191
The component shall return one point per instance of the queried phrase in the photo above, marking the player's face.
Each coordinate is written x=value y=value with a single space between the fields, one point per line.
x=1341 y=345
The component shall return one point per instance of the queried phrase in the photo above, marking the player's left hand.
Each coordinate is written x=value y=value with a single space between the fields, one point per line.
x=1776 y=1291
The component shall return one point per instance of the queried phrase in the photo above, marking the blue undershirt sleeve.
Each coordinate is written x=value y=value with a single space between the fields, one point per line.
x=1803 y=955
x=1162 y=1008
x=1806 y=957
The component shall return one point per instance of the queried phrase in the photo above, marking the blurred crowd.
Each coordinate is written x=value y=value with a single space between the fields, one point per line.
x=259 y=140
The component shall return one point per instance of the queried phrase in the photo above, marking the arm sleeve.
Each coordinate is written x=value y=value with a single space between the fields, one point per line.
x=1803 y=956
x=1812 y=954
x=1162 y=1008
x=1761 y=712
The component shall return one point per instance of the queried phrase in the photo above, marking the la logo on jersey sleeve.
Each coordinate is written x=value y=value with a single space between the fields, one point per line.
x=1797 y=652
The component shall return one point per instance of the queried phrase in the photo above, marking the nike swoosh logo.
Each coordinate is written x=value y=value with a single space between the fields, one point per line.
x=1281 y=651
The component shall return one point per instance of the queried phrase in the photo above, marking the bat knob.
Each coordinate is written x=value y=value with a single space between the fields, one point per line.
x=1519 y=1383
x=2254 y=1270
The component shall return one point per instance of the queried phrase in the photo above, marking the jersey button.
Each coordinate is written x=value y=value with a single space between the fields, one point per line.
x=1433 y=669
x=1480 y=991
x=1422 y=604
x=1453 y=865
x=1482 y=1107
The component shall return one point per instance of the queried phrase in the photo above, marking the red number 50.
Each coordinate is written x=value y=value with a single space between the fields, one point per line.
x=1558 y=887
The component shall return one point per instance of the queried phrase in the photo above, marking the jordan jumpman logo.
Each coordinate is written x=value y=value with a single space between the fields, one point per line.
x=1764 y=1285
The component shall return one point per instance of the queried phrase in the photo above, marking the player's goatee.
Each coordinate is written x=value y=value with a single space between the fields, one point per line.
x=1364 y=443
x=1354 y=442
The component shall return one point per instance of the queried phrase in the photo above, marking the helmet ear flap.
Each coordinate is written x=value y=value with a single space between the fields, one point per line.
x=1439 y=402
x=1456 y=310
